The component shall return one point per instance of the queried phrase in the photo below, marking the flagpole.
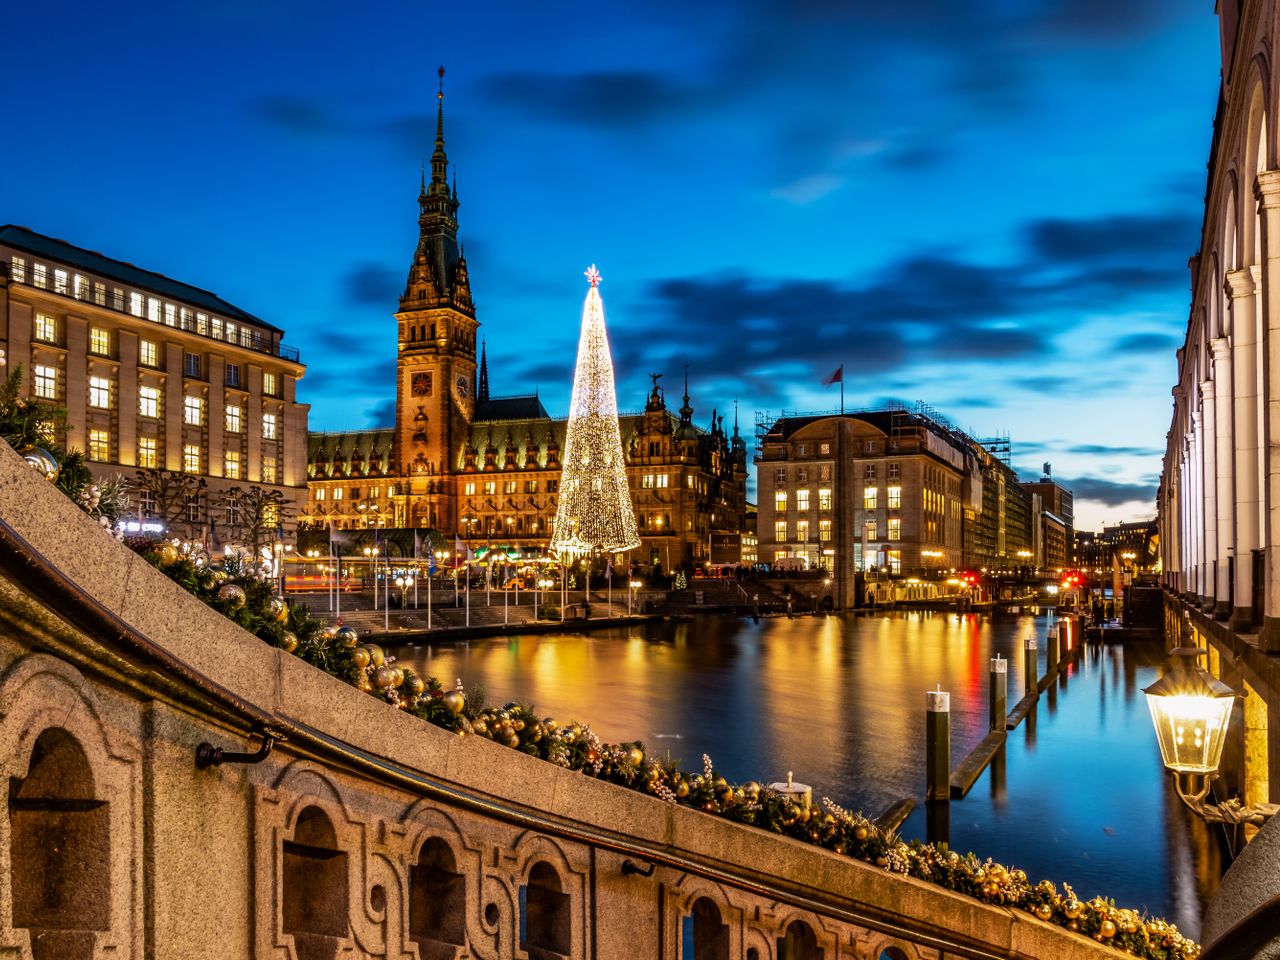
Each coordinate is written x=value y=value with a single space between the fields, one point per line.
x=468 y=569
x=428 y=596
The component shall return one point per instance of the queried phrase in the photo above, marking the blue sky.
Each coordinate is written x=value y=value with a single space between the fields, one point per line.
x=986 y=206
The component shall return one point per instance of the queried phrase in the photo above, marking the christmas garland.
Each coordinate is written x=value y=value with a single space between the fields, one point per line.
x=239 y=588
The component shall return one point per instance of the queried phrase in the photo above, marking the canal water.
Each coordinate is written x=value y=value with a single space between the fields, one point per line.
x=1078 y=794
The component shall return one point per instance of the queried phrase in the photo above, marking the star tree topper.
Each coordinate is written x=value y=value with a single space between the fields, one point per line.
x=593 y=275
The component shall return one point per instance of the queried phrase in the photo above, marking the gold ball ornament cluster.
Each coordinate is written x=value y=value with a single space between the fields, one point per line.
x=232 y=594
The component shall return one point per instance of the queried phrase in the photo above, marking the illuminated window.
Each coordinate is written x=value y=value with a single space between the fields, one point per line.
x=531 y=486
x=895 y=529
x=469 y=489
x=320 y=493
x=191 y=365
x=45 y=382
x=99 y=293
x=269 y=384
x=802 y=530
x=895 y=561
x=193 y=508
x=18 y=269
x=824 y=449
x=780 y=501
x=233 y=375
x=149 y=401
x=231 y=512
x=146 y=353
x=270 y=426
x=337 y=493
x=100 y=392
x=231 y=465
x=40 y=275
x=824 y=498
x=824 y=471
x=193 y=411
x=136 y=303
x=191 y=458
x=79 y=287
x=869 y=498
x=153 y=309
x=60 y=281
x=170 y=315
x=509 y=486
x=895 y=471
x=780 y=530
x=802 y=499
x=234 y=421
x=872 y=530
x=147 y=452
x=894 y=497
x=100 y=341
x=45 y=328
x=99 y=445
x=490 y=488
x=824 y=530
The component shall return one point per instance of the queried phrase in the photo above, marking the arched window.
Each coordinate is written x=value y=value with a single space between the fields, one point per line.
x=437 y=902
x=704 y=936
x=799 y=943
x=893 y=953
x=315 y=887
x=60 y=854
x=544 y=914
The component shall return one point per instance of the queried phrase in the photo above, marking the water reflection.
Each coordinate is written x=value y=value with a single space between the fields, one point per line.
x=1079 y=796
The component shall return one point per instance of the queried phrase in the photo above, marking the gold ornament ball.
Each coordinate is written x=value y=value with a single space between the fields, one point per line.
x=860 y=832
x=278 y=609
x=376 y=656
x=42 y=461
x=289 y=642
x=414 y=686
x=1107 y=929
x=347 y=636
x=360 y=655
x=455 y=701
x=513 y=741
x=635 y=756
x=168 y=554
x=1044 y=911
x=232 y=594
x=682 y=789
x=399 y=676
x=479 y=727
x=384 y=677
x=751 y=790
x=1073 y=909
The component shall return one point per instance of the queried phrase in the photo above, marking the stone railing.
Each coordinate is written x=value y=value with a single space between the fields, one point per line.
x=364 y=832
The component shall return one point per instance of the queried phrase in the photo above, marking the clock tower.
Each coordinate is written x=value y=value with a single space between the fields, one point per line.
x=436 y=354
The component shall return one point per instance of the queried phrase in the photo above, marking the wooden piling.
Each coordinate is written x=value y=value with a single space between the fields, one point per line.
x=938 y=745
x=998 y=693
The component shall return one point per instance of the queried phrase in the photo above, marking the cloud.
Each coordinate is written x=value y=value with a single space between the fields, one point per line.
x=297 y=114
x=1159 y=343
x=1110 y=492
x=374 y=285
x=1137 y=240
x=605 y=99
x=382 y=414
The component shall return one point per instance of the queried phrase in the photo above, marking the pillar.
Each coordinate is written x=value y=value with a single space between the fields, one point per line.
x=1209 y=454
x=1244 y=356
x=1267 y=191
x=1224 y=498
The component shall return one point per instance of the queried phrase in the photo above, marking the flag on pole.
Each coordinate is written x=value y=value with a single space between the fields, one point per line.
x=431 y=563
x=608 y=570
x=836 y=377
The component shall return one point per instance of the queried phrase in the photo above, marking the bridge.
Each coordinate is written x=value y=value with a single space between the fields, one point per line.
x=364 y=832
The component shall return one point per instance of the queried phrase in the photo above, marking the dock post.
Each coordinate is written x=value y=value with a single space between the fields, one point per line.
x=938 y=745
x=998 y=692
x=1030 y=666
x=1051 y=652
x=1063 y=641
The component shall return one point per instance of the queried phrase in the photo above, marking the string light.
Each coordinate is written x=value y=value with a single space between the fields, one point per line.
x=594 y=512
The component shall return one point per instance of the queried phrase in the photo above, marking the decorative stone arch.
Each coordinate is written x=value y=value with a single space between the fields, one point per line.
x=531 y=849
x=680 y=899
x=1257 y=155
x=827 y=933
x=424 y=823
x=47 y=707
x=280 y=809
x=874 y=946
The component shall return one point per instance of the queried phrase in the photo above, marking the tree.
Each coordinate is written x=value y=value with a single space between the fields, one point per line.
x=168 y=495
x=595 y=512
x=253 y=515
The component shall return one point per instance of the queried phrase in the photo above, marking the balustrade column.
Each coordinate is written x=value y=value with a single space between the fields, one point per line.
x=1267 y=191
x=1197 y=506
x=1225 y=487
x=1209 y=456
x=1244 y=356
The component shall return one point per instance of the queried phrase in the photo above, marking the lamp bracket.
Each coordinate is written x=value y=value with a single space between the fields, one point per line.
x=1230 y=812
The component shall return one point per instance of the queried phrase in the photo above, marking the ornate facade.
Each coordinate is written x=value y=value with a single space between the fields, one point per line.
x=487 y=469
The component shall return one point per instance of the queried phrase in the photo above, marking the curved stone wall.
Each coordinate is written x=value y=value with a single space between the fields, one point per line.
x=365 y=833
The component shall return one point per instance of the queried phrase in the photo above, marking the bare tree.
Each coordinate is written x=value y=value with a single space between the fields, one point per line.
x=253 y=515
x=166 y=494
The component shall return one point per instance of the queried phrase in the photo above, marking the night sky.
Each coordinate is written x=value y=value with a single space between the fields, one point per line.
x=965 y=203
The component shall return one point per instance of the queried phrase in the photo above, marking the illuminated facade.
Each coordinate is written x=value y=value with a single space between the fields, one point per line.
x=487 y=469
x=164 y=383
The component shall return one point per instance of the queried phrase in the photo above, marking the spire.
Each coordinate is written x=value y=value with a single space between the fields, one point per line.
x=686 y=411
x=439 y=162
x=482 y=381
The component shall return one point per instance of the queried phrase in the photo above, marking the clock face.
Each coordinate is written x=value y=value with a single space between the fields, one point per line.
x=462 y=396
x=422 y=384
x=462 y=386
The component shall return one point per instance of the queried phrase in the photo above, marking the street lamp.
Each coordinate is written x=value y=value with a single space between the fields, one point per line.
x=1190 y=709
x=633 y=586
x=404 y=583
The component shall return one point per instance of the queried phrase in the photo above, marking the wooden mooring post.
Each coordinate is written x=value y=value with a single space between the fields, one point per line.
x=938 y=745
x=998 y=693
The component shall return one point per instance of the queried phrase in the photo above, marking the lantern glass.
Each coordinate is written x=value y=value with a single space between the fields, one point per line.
x=1191 y=728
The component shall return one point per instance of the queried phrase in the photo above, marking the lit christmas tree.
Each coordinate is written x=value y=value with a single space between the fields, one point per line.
x=595 y=513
